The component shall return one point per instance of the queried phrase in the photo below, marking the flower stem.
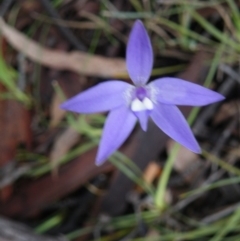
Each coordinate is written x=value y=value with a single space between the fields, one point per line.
x=162 y=183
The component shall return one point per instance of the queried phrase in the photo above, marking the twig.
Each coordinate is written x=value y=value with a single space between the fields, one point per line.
x=183 y=203
x=229 y=71
x=21 y=59
x=221 y=214
x=77 y=61
x=225 y=135
x=9 y=173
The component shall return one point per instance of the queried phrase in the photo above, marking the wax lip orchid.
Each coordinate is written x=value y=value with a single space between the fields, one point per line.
x=128 y=103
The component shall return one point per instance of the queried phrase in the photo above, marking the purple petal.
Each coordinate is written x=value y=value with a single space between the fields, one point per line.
x=118 y=126
x=171 y=121
x=139 y=54
x=102 y=97
x=180 y=92
x=143 y=118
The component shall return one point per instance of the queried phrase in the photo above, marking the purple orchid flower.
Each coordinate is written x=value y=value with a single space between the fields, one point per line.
x=128 y=103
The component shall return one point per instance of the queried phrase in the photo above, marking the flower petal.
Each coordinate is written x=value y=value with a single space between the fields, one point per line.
x=139 y=54
x=171 y=121
x=102 y=97
x=142 y=118
x=180 y=92
x=119 y=124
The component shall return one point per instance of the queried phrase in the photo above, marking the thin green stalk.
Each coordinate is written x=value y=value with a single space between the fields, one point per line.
x=94 y=42
x=128 y=162
x=163 y=12
x=181 y=7
x=79 y=232
x=37 y=71
x=185 y=21
x=117 y=223
x=221 y=183
x=224 y=165
x=235 y=13
x=196 y=234
x=130 y=219
x=163 y=181
x=184 y=31
x=8 y=78
x=57 y=3
x=131 y=171
x=232 y=224
x=80 y=124
x=221 y=36
x=49 y=223
x=39 y=171
x=137 y=5
x=168 y=69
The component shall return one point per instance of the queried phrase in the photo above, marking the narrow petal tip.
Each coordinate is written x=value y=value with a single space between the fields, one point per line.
x=99 y=98
x=64 y=105
x=139 y=56
x=196 y=149
x=220 y=97
x=180 y=92
x=171 y=121
x=199 y=151
x=99 y=161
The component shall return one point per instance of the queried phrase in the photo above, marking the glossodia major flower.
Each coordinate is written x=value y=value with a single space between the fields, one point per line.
x=128 y=103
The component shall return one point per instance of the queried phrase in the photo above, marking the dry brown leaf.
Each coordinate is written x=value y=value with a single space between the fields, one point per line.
x=153 y=233
x=152 y=171
x=62 y=145
x=14 y=129
x=77 y=61
x=31 y=197
x=56 y=113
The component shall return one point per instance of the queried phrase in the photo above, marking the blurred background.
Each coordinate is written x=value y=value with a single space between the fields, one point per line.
x=151 y=189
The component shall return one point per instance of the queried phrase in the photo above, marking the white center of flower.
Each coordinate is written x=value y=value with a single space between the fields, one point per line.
x=138 y=105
